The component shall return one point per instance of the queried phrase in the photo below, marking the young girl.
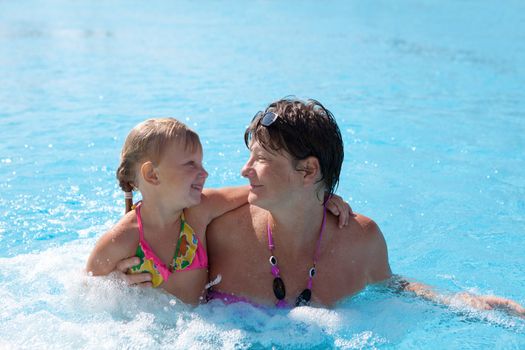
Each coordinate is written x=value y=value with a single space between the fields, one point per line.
x=162 y=158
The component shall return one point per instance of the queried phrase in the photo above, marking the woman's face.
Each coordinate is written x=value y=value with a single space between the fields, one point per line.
x=272 y=177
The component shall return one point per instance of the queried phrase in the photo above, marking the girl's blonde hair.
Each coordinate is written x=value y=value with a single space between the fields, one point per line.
x=147 y=142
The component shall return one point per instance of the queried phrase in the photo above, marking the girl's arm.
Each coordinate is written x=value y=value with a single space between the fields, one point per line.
x=218 y=201
x=223 y=200
x=111 y=248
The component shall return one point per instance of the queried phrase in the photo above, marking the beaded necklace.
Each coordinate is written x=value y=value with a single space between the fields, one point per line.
x=278 y=285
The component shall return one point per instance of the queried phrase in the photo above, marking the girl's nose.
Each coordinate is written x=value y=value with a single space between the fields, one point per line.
x=203 y=173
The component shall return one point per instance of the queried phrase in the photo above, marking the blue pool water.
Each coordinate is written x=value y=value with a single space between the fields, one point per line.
x=429 y=96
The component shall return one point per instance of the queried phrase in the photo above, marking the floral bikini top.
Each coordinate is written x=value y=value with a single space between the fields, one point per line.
x=189 y=254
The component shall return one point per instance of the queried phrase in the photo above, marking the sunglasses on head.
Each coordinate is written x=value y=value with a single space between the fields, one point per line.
x=267 y=119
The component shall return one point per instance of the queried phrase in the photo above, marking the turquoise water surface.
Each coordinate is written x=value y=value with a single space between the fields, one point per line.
x=430 y=99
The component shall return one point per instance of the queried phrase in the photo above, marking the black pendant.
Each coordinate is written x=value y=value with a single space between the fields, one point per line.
x=278 y=288
x=304 y=298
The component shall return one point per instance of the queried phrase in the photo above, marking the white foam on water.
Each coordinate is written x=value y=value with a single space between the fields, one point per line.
x=47 y=293
x=359 y=341
x=48 y=301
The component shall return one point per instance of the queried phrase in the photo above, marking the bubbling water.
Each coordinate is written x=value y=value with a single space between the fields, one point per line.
x=47 y=293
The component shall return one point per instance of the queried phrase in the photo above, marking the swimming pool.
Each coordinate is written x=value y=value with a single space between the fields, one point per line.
x=428 y=95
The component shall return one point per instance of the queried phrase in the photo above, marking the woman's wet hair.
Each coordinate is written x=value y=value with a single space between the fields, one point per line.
x=147 y=142
x=302 y=129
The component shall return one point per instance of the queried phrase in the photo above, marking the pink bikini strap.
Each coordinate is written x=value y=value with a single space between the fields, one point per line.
x=139 y=222
x=148 y=252
x=310 y=276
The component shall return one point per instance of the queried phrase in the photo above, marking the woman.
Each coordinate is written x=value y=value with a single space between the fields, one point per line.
x=283 y=248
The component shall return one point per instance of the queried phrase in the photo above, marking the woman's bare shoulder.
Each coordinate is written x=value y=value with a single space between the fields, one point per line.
x=361 y=231
x=365 y=226
x=242 y=222
x=364 y=239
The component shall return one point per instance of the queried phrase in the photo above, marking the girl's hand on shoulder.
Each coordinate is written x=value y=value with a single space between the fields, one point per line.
x=339 y=207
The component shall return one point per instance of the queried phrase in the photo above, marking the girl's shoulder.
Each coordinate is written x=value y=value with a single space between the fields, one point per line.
x=117 y=243
x=202 y=213
x=125 y=231
x=198 y=219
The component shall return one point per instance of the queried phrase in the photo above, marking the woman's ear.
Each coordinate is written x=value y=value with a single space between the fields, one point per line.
x=149 y=173
x=312 y=170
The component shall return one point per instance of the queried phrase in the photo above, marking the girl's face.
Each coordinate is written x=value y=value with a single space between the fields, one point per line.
x=181 y=173
x=273 y=178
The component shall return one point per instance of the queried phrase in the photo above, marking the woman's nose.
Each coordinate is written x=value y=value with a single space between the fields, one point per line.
x=247 y=170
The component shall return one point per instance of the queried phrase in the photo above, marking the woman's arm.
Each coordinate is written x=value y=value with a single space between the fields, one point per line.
x=479 y=302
